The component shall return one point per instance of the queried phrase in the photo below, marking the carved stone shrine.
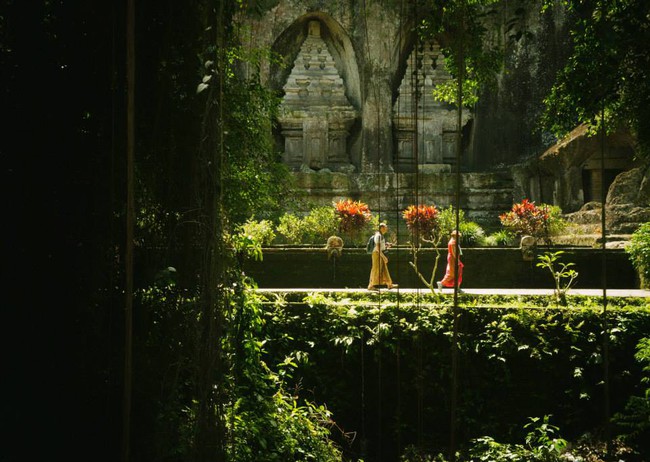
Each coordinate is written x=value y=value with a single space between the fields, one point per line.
x=315 y=113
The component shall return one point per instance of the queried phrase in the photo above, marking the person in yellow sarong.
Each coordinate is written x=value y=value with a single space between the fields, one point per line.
x=379 y=275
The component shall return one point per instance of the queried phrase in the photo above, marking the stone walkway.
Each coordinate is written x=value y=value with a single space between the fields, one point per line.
x=587 y=292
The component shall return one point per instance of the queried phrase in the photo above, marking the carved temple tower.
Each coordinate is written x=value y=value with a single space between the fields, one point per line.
x=315 y=114
x=425 y=128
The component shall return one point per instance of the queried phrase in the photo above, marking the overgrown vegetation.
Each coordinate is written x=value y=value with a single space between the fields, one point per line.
x=639 y=252
x=319 y=224
x=287 y=353
x=634 y=420
x=266 y=420
x=217 y=374
x=457 y=25
x=522 y=351
x=539 y=221
x=608 y=70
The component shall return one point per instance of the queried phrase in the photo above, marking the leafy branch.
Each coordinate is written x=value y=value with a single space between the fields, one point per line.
x=564 y=277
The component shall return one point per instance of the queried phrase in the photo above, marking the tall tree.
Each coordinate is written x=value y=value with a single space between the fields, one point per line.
x=609 y=66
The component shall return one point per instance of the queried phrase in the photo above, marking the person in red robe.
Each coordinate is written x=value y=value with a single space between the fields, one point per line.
x=448 y=280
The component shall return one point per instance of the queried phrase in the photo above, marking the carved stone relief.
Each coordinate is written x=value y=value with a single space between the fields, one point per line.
x=315 y=114
x=420 y=121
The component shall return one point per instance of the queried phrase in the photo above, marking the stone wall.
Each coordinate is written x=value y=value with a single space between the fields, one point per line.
x=376 y=55
x=484 y=268
x=483 y=196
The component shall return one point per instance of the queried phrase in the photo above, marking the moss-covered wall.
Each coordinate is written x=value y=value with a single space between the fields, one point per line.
x=484 y=268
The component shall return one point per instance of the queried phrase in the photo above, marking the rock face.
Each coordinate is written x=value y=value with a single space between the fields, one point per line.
x=628 y=201
x=358 y=118
x=627 y=206
x=387 y=75
x=570 y=175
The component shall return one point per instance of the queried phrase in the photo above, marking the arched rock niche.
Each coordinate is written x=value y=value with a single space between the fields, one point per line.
x=321 y=93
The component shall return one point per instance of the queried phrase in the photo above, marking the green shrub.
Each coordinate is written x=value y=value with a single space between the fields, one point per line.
x=261 y=231
x=471 y=234
x=501 y=238
x=447 y=220
x=314 y=228
x=540 y=221
x=541 y=446
x=291 y=228
x=639 y=252
x=320 y=224
x=555 y=224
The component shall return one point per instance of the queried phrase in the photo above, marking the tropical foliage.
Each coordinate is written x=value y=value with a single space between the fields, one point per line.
x=313 y=228
x=608 y=70
x=352 y=215
x=639 y=252
x=501 y=238
x=421 y=220
x=319 y=224
x=526 y=218
x=266 y=422
x=468 y=57
x=522 y=351
x=634 y=420
x=472 y=234
x=542 y=444
x=261 y=231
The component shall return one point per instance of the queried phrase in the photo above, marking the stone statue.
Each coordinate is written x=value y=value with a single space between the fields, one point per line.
x=527 y=247
x=334 y=247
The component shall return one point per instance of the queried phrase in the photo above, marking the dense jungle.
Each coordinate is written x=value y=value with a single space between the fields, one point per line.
x=138 y=141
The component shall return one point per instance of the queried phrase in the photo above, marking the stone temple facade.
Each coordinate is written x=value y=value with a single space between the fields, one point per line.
x=316 y=115
x=358 y=118
x=425 y=129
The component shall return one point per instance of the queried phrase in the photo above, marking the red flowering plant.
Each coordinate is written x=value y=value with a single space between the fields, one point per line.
x=421 y=220
x=353 y=215
x=526 y=218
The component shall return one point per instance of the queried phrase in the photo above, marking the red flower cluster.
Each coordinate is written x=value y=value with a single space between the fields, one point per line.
x=526 y=218
x=353 y=215
x=422 y=219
